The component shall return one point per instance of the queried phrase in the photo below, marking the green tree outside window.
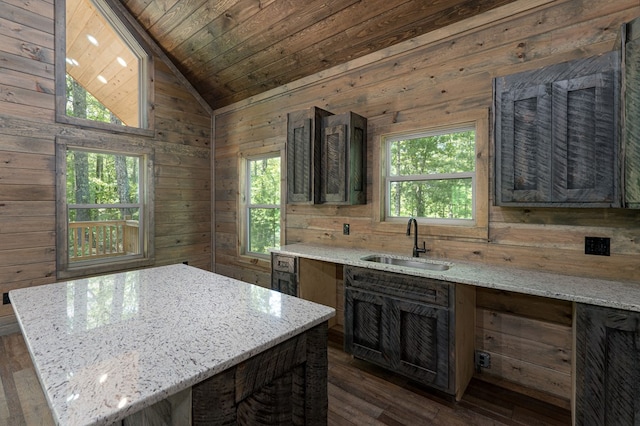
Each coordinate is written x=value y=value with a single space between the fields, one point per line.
x=263 y=206
x=104 y=204
x=431 y=175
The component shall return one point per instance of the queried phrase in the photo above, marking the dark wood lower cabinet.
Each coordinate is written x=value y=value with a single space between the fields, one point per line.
x=364 y=327
x=413 y=338
x=285 y=282
x=420 y=345
x=284 y=274
x=607 y=366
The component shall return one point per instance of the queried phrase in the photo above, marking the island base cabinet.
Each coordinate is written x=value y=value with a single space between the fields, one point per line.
x=607 y=389
x=284 y=385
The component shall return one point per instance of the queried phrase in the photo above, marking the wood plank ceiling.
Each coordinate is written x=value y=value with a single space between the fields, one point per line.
x=231 y=50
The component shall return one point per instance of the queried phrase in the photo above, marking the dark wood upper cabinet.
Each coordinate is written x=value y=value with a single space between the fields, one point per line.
x=343 y=159
x=631 y=94
x=326 y=157
x=304 y=133
x=556 y=135
x=524 y=162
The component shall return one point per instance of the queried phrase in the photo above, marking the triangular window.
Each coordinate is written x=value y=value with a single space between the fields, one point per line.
x=105 y=69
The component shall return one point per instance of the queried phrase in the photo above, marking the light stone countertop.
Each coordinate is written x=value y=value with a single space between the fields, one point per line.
x=108 y=346
x=614 y=294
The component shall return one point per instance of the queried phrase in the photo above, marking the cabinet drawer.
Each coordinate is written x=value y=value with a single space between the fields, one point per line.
x=284 y=263
x=420 y=289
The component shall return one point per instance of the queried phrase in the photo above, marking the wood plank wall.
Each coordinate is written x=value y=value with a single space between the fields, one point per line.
x=182 y=143
x=530 y=342
x=425 y=82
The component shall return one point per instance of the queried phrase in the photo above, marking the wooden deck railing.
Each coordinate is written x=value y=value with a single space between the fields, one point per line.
x=93 y=240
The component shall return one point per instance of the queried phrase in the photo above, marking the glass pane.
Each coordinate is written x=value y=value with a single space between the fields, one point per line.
x=264 y=181
x=436 y=199
x=264 y=230
x=103 y=83
x=99 y=178
x=83 y=104
x=99 y=233
x=447 y=153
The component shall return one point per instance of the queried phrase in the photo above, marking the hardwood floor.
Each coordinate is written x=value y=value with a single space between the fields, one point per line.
x=359 y=394
x=22 y=402
x=363 y=394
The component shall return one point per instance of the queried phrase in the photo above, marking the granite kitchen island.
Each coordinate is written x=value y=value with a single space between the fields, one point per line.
x=175 y=344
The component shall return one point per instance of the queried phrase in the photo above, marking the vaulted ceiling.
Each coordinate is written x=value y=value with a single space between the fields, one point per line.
x=231 y=50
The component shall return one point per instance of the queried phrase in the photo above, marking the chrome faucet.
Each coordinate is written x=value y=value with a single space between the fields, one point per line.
x=416 y=249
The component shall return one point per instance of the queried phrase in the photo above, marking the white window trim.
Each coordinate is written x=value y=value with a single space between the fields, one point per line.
x=66 y=269
x=145 y=74
x=474 y=229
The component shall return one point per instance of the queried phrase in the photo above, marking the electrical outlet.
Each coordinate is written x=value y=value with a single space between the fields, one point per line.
x=597 y=246
x=483 y=360
x=5 y=299
x=345 y=229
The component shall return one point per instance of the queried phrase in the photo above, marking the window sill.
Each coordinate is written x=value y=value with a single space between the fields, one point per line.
x=102 y=268
x=98 y=125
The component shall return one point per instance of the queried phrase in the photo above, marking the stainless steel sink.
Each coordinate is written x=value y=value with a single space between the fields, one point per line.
x=408 y=262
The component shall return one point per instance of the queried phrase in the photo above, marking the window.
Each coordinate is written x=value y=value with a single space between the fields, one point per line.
x=263 y=204
x=104 y=207
x=101 y=69
x=431 y=175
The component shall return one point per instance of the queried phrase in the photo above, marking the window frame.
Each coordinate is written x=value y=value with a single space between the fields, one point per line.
x=435 y=121
x=428 y=177
x=118 y=22
x=66 y=269
x=245 y=206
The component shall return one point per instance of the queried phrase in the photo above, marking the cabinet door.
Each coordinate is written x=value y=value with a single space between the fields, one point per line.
x=607 y=366
x=584 y=130
x=365 y=322
x=523 y=144
x=343 y=159
x=304 y=131
x=299 y=158
x=556 y=134
x=631 y=90
x=284 y=283
x=418 y=342
x=357 y=159
x=334 y=162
